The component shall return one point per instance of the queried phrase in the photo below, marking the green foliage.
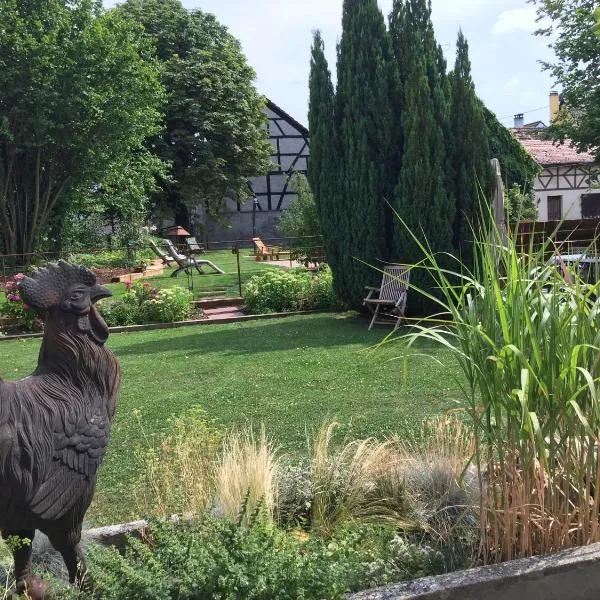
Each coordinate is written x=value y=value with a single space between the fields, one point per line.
x=520 y=205
x=214 y=135
x=323 y=172
x=300 y=221
x=27 y=318
x=421 y=199
x=366 y=131
x=396 y=132
x=517 y=165
x=215 y=558
x=107 y=259
x=62 y=67
x=290 y=290
x=144 y=304
x=525 y=333
x=572 y=35
x=470 y=171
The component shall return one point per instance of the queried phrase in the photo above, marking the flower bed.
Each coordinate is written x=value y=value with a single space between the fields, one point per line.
x=143 y=303
x=17 y=317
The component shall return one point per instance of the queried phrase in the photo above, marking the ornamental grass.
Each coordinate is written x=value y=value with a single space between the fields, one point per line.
x=524 y=329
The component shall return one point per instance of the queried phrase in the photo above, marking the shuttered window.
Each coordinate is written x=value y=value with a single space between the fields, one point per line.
x=590 y=206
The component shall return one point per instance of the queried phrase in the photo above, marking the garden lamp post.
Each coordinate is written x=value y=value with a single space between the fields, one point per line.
x=255 y=206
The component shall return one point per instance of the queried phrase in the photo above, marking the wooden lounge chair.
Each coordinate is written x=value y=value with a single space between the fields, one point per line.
x=167 y=260
x=189 y=262
x=388 y=302
x=194 y=246
x=265 y=252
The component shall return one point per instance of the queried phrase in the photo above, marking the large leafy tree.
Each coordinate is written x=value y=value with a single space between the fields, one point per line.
x=570 y=27
x=215 y=136
x=470 y=173
x=78 y=94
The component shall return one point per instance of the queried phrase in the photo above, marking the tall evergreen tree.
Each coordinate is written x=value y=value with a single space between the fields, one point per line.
x=469 y=165
x=366 y=141
x=323 y=149
x=421 y=199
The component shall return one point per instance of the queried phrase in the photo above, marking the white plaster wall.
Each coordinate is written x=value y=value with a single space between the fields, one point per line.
x=571 y=198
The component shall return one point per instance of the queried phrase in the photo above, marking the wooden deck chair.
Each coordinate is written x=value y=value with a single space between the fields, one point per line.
x=189 y=262
x=167 y=260
x=194 y=246
x=389 y=301
x=266 y=252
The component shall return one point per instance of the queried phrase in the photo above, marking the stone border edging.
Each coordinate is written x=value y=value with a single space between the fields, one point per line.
x=572 y=574
x=176 y=324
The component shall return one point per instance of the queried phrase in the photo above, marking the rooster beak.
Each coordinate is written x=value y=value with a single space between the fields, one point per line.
x=98 y=292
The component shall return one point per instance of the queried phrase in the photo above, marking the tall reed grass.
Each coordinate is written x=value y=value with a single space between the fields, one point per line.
x=525 y=332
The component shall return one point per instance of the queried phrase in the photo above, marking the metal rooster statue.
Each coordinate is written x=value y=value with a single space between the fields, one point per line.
x=55 y=424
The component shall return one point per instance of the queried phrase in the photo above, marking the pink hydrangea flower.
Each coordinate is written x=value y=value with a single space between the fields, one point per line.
x=19 y=277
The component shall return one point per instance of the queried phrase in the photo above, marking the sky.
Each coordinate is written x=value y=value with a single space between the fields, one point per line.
x=276 y=36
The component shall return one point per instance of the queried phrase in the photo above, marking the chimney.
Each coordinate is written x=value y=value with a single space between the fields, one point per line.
x=554 y=106
x=519 y=121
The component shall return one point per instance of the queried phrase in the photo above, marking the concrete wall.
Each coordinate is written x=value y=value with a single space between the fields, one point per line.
x=567 y=575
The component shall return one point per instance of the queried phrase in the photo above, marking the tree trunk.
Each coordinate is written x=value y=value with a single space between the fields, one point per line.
x=29 y=191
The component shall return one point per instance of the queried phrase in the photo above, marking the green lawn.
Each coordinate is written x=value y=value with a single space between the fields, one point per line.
x=290 y=374
x=210 y=284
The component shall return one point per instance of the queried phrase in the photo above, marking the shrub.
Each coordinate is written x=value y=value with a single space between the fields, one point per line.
x=143 y=303
x=109 y=259
x=26 y=318
x=217 y=558
x=289 y=290
x=300 y=221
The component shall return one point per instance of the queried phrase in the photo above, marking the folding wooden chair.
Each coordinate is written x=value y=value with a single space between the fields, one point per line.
x=388 y=302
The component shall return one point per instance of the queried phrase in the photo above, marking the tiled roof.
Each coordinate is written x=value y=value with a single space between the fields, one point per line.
x=547 y=153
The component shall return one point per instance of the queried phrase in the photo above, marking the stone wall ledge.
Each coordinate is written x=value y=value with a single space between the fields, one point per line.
x=572 y=574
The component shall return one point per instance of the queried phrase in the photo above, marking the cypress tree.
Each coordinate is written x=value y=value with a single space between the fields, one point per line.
x=322 y=173
x=365 y=129
x=469 y=154
x=421 y=199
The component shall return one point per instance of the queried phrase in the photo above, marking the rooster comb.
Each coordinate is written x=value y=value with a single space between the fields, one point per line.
x=46 y=285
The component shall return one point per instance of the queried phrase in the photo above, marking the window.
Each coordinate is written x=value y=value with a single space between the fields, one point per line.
x=554 y=208
x=590 y=206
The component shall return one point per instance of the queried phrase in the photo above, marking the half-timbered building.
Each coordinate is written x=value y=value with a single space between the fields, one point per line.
x=567 y=187
x=271 y=194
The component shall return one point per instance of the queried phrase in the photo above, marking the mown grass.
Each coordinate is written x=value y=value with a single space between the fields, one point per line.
x=290 y=374
x=210 y=284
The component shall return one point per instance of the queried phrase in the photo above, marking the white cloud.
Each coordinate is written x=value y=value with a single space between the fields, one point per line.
x=516 y=19
x=513 y=82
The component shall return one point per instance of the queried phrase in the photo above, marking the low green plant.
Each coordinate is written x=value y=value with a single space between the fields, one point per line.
x=218 y=558
x=143 y=303
x=290 y=290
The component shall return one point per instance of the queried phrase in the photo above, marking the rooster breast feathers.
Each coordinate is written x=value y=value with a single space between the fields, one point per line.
x=58 y=447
